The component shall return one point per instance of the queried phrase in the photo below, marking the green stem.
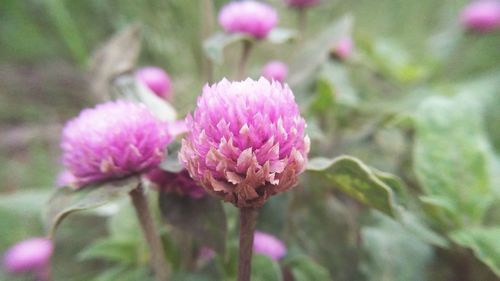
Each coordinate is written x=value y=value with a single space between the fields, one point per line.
x=302 y=21
x=248 y=219
x=245 y=54
x=150 y=232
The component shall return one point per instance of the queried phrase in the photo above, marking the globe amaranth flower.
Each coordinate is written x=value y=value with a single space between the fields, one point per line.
x=157 y=80
x=180 y=183
x=268 y=245
x=113 y=140
x=246 y=141
x=275 y=70
x=481 y=15
x=250 y=17
x=32 y=255
x=302 y=3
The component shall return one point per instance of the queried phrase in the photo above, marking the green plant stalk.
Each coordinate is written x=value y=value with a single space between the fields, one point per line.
x=151 y=234
x=245 y=54
x=248 y=219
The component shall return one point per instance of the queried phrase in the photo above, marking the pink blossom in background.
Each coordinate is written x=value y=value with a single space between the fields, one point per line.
x=251 y=17
x=32 y=255
x=302 y=3
x=157 y=80
x=275 y=70
x=481 y=15
x=115 y=139
x=268 y=245
x=246 y=141
x=180 y=183
x=344 y=48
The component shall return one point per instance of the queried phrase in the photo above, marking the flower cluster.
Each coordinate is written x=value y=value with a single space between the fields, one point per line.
x=246 y=141
x=113 y=140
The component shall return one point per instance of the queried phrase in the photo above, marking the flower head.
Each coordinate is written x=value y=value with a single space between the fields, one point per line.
x=157 y=80
x=31 y=255
x=180 y=183
x=481 y=15
x=268 y=245
x=250 y=17
x=113 y=140
x=275 y=70
x=343 y=48
x=302 y=3
x=246 y=141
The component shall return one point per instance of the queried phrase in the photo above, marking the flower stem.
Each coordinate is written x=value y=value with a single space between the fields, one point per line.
x=248 y=219
x=302 y=21
x=247 y=47
x=150 y=232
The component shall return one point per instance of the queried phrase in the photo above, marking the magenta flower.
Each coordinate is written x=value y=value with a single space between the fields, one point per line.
x=246 y=141
x=343 y=49
x=250 y=17
x=302 y=3
x=481 y=15
x=157 y=80
x=113 y=140
x=32 y=255
x=268 y=245
x=180 y=183
x=275 y=70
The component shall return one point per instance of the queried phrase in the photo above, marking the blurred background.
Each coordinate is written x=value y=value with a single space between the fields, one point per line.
x=45 y=51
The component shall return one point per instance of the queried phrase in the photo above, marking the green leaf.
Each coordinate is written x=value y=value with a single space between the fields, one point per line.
x=123 y=251
x=389 y=247
x=450 y=157
x=196 y=216
x=484 y=242
x=66 y=201
x=324 y=99
x=282 y=35
x=214 y=46
x=357 y=180
x=305 y=269
x=265 y=269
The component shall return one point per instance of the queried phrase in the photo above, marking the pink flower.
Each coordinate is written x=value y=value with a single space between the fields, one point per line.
x=32 y=255
x=268 y=245
x=302 y=3
x=180 y=183
x=275 y=70
x=157 y=80
x=250 y=17
x=481 y=15
x=343 y=49
x=113 y=140
x=246 y=141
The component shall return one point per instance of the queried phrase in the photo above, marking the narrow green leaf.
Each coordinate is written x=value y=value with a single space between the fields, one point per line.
x=265 y=269
x=196 y=216
x=214 y=46
x=304 y=268
x=484 y=242
x=66 y=201
x=357 y=180
x=282 y=35
x=123 y=251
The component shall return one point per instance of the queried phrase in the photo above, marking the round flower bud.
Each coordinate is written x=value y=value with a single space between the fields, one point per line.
x=31 y=255
x=302 y=3
x=268 y=245
x=343 y=49
x=157 y=80
x=246 y=141
x=180 y=183
x=113 y=140
x=275 y=70
x=481 y=15
x=250 y=17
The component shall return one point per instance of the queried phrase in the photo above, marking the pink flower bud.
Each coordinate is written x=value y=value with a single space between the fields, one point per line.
x=302 y=3
x=268 y=245
x=275 y=70
x=32 y=255
x=343 y=49
x=481 y=15
x=157 y=80
x=250 y=17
